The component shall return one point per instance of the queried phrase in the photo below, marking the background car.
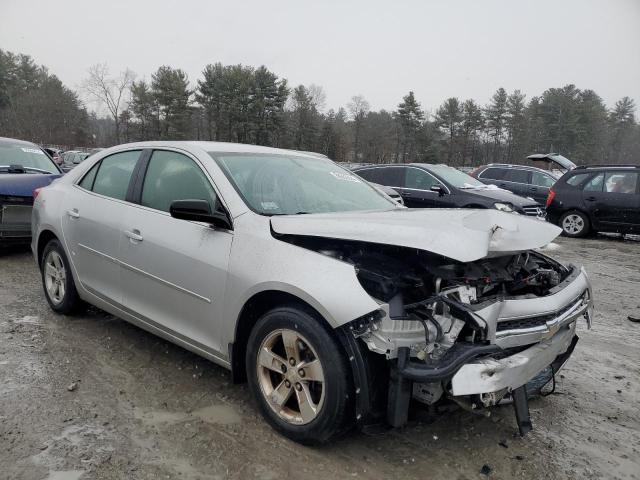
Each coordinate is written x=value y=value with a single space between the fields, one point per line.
x=24 y=167
x=522 y=180
x=72 y=159
x=423 y=185
x=596 y=198
x=55 y=154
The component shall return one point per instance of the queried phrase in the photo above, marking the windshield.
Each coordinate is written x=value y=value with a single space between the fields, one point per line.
x=290 y=184
x=455 y=177
x=26 y=157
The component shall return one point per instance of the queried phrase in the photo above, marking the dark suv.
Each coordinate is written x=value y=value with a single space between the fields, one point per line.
x=423 y=185
x=520 y=179
x=596 y=198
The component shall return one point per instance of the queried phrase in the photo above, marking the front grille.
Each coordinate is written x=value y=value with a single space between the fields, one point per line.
x=532 y=322
x=534 y=210
x=15 y=216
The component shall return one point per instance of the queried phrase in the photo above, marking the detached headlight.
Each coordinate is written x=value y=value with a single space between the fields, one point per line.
x=503 y=207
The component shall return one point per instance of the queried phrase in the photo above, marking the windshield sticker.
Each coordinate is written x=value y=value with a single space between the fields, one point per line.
x=269 y=206
x=345 y=176
x=32 y=150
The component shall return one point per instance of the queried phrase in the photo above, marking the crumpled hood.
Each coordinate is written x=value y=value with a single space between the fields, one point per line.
x=460 y=234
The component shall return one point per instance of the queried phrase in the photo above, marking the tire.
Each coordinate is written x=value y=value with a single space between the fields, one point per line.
x=575 y=224
x=276 y=389
x=55 y=270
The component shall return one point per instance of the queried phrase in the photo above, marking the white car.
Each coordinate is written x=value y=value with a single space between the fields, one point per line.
x=335 y=303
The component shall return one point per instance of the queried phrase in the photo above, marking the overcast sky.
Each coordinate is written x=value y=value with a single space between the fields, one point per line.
x=380 y=49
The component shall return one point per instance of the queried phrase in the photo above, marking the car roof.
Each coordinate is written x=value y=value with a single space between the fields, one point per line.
x=511 y=165
x=223 y=147
x=14 y=141
x=606 y=167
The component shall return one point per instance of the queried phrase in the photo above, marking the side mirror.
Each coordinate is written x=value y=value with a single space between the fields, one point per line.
x=438 y=189
x=199 y=211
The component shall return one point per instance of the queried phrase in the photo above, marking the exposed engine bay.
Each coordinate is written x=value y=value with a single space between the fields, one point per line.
x=440 y=318
x=435 y=295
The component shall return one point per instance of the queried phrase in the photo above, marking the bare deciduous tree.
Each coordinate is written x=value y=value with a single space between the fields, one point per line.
x=109 y=91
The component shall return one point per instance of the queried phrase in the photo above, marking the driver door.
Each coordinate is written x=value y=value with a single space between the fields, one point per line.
x=174 y=271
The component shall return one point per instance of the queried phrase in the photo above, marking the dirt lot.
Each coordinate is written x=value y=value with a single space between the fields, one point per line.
x=93 y=397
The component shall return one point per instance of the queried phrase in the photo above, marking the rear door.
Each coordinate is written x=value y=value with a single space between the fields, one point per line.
x=174 y=271
x=93 y=212
x=540 y=184
x=492 y=175
x=613 y=200
x=516 y=180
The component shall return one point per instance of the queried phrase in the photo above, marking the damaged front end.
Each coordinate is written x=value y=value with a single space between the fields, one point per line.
x=473 y=332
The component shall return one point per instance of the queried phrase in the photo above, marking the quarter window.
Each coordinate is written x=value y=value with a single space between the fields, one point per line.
x=114 y=174
x=577 y=179
x=493 y=174
x=419 y=179
x=172 y=176
x=87 y=181
x=542 y=180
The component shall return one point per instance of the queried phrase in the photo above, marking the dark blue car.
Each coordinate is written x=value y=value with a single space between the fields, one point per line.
x=24 y=166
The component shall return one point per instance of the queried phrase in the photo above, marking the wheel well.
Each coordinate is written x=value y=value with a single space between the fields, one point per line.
x=45 y=237
x=252 y=310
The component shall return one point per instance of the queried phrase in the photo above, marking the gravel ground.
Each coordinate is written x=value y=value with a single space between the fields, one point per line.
x=94 y=397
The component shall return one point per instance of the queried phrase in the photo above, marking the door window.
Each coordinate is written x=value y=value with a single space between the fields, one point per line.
x=595 y=184
x=542 y=180
x=517 y=175
x=114 y=174
x=389 y=176
x=493 y=173
x=621 y=182
x=419 y=179
x=172 y=176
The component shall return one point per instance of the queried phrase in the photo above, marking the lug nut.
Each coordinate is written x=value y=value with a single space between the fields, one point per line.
x=292 y=361
x=283 y=368
x=298 y=387
x=287 y=383
x=301 y=372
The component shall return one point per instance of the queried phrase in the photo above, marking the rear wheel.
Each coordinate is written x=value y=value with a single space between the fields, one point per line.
x=575 y=224
x=57 y=280
x=299 y=376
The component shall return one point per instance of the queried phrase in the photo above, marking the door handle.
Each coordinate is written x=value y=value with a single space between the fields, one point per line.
x=73 y=213
x=591 y=199
x=534 y=189
x=134 y=235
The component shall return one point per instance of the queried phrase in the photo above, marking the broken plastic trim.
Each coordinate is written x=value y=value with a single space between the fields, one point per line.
x=443 y=369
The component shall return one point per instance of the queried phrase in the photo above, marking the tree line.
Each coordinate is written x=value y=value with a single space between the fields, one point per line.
x=239 y=103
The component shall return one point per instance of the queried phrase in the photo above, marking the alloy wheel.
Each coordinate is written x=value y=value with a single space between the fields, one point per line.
x=573 y=224
x=291 y=376
x=55 y=277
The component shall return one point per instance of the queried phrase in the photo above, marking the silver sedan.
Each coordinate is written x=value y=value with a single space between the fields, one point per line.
x=335 y=303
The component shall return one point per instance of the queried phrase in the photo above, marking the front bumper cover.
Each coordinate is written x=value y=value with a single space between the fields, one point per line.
x=491 y=375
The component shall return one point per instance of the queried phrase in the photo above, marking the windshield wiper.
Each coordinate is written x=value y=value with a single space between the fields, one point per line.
x=22 y=169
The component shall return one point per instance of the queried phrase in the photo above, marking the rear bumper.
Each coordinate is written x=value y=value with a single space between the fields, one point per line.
x=490 y=375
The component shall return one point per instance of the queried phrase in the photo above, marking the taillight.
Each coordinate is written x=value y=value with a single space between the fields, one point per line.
x=36 y=192
x=550 y=195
